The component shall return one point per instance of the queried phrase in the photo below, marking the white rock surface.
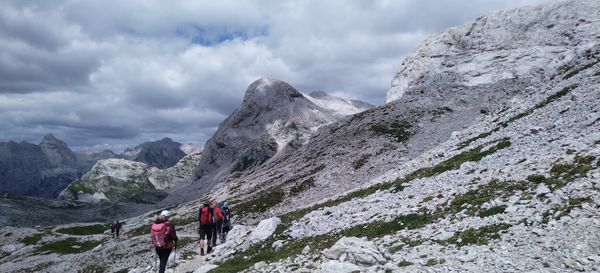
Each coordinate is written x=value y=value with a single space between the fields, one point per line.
x=339 y=267
x=355 y=250
x=265 y=229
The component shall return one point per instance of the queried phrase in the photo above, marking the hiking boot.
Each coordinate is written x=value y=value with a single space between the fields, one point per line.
x=202 y=252
x=209 y=250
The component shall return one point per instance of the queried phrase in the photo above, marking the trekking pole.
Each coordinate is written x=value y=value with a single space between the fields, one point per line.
x=175 y=255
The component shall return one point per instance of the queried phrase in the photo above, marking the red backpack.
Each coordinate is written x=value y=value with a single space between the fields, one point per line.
x=205 y=216
x=161 y=235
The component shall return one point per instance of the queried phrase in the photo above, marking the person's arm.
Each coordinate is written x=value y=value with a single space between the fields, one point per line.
x=220 y=215
x=173 y=233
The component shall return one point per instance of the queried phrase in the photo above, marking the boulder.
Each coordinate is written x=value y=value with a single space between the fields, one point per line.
x=357 y=251
x=264 y=229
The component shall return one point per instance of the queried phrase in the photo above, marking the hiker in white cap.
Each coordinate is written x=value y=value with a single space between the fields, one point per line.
x=163 y=238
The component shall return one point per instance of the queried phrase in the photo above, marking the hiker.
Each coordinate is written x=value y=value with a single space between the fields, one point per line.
x=205 y=214
x=117 y=228
x=217 y=222
x=113 y=226
x=226 y=221
x=163 y=238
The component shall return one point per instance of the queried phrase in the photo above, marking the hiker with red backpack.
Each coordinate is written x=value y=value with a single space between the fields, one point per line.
x=205 y=219
x=217 y=222
x=163 y=238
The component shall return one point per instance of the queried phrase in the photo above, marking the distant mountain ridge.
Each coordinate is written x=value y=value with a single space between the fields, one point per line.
x=46 y=169
x=162 y=153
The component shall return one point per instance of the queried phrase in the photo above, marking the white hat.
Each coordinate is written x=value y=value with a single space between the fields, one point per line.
x=165 y=213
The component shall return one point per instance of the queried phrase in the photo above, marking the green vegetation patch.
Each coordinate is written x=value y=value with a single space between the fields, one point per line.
x=183 y=221
x=361 y=161
x=261 y=202
x=473 y=199
x=32 y=239
x=492 y=211
x=83 y=230
x=303 y=186
x=480 y=236
x=68 y=246
x=139 y=231
x=576 y=71
x=559 y=211
x=398 y=130
x=404 y=263
x=456 y=161
x=579 y=168
x=79 y=186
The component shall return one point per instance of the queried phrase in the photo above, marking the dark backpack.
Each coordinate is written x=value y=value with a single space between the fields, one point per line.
x=226 y=216
x=205 y=216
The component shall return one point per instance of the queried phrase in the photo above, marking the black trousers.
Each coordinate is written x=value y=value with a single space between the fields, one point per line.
x=216 y=229
x=163 y=256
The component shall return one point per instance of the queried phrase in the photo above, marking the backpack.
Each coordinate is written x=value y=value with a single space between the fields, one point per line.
x=226 y=216
x=205 y=216
x=160 y=235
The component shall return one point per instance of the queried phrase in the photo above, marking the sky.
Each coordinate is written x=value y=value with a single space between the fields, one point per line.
x=111 y=74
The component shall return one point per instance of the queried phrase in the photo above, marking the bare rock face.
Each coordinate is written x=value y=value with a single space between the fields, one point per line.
x=20 y=167
x=531 y=42
x=38 y=170
x=57 y=152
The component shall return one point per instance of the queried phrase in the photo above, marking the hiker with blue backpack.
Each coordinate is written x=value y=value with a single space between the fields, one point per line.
x=163 y=238
x=226 y=226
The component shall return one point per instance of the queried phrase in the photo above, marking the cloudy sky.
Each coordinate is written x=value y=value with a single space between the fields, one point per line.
x=112 y=73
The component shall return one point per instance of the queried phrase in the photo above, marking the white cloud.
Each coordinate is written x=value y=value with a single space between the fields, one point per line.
x=115 y=73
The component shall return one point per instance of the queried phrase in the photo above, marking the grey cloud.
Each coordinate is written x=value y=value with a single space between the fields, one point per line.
x=112 y=74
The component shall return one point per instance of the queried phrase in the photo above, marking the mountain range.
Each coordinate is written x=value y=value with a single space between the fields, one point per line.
x=46 y=169
x=485 y=158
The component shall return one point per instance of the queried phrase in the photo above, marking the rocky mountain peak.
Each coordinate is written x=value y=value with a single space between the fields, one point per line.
x=58 y=152
x=264 y=91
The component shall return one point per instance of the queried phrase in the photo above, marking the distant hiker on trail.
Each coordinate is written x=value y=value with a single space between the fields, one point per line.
x=217 y=222
x=205 y=215
x=113 y=226
x=226 y=221
x=163 y=238
x=117 y=228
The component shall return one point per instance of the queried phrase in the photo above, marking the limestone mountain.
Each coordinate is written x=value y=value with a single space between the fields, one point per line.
x=273 y=118
x=480 y=163
x=38 y=170
x=162 y=153
x=115 y=180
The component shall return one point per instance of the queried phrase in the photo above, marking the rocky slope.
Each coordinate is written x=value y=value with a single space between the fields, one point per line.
x=273 y=118
x=449 y=176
